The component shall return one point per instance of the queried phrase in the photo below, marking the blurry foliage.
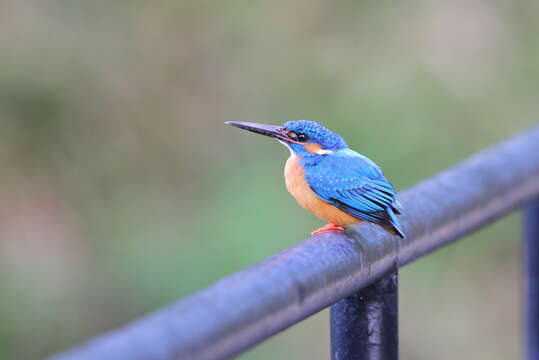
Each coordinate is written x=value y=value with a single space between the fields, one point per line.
x=122 y=190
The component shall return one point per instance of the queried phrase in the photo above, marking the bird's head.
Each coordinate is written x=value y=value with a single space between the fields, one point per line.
x=303 y=137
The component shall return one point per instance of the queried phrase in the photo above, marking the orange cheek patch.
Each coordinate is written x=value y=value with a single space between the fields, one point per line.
x=313 y=148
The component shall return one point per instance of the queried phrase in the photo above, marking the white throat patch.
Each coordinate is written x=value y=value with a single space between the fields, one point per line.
x=288 y=146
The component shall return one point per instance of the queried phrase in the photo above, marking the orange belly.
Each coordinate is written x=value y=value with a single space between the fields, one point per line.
x=300 y=190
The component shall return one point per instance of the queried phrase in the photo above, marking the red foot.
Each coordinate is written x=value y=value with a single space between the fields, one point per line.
x=328 y=227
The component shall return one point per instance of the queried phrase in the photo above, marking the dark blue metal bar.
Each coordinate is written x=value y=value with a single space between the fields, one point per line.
x=243 y=309
x=531 y=298
x=364 y=326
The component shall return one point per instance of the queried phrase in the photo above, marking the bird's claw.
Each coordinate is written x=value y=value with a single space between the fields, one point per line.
x=326 y=228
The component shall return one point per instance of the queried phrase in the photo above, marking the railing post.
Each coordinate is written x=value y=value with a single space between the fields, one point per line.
x=531 y=282
x=364 y=326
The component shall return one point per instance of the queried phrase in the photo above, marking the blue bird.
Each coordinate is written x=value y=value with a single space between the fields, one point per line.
x=335 y=183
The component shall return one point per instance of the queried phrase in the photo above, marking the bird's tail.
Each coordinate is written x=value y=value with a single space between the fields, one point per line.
x=394 y=224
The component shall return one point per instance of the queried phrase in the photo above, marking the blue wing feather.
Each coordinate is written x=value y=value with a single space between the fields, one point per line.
x=356 y=185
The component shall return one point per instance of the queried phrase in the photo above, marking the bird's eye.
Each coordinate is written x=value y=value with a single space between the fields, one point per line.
x=299 y=137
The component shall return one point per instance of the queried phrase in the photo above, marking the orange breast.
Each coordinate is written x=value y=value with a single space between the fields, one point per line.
x=300 y=190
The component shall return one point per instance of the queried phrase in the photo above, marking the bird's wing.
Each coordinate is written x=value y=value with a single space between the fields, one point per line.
x=354 y=184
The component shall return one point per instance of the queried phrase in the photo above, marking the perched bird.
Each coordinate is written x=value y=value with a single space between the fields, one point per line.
x=335 y=183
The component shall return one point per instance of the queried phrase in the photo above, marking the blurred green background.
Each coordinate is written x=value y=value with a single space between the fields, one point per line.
x=121 y=190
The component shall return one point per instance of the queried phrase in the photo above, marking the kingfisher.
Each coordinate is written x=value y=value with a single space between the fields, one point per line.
x=327 y=178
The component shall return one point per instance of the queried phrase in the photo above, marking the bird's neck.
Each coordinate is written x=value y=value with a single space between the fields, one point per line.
x=309 y=159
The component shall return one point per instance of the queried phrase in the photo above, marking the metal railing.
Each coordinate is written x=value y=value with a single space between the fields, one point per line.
x=353 y=272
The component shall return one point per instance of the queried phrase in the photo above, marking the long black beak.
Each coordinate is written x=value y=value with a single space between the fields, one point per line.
x=269 y=130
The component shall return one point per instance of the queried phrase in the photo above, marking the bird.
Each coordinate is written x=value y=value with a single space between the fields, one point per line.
x=332 y=181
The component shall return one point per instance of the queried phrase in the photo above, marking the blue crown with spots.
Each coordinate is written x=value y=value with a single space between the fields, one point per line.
x=316 y=133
